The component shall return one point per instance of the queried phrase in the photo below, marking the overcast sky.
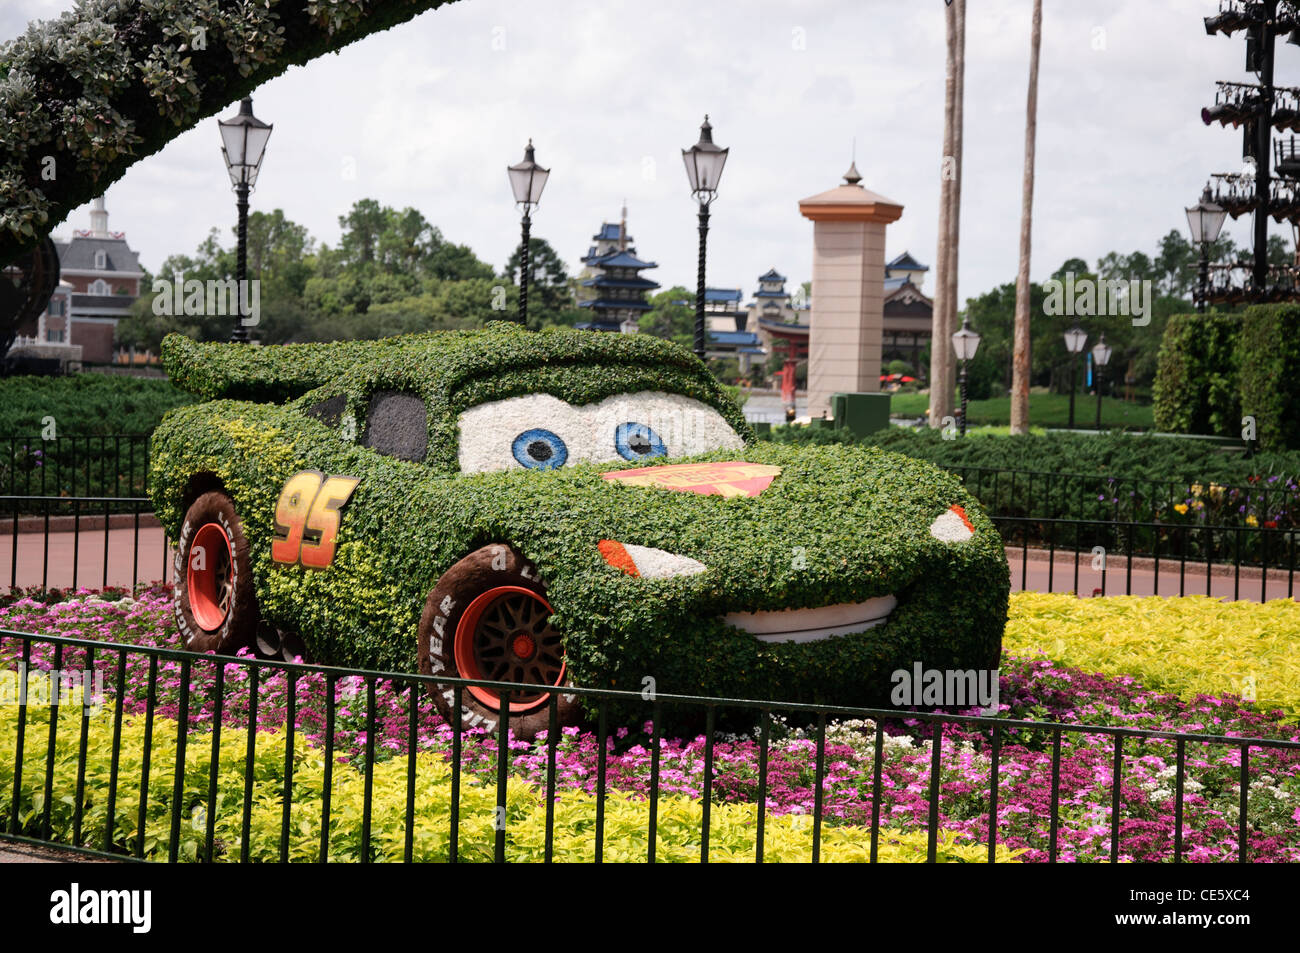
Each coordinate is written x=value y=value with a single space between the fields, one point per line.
x=430 y=113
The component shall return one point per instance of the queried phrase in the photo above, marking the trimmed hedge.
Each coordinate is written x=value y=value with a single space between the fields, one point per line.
x=114 y=81
x=1196 y=388
x=86 y=404
x=840 y=524
x=1270 y=374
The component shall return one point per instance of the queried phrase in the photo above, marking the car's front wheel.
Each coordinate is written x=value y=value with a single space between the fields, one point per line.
x=216 y=609
x=488 y=618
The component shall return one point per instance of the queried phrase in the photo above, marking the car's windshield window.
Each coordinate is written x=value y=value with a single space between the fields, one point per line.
x=397 y=426
x=540 y=431
x=328 y=411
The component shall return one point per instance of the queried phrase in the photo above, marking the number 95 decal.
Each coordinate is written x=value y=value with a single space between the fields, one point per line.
x=307 y=518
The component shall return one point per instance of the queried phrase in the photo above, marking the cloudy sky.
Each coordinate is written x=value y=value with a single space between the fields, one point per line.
x=430 y=113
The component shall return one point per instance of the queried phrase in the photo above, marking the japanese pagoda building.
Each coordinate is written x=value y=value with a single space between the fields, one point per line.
x=908 y=314
x=616 y=291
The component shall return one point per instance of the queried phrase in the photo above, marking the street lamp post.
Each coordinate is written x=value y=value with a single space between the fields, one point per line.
x=1100 y=358
x=964 y=343
x=704 y=162
x=243 y=143
x=1204 y=220
x=1075 y=339
x=527 y=179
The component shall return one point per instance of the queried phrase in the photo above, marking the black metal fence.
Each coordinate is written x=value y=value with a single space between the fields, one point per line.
x=181 y=815
x=1127 y=557
x=113 y=465
x=67 y=542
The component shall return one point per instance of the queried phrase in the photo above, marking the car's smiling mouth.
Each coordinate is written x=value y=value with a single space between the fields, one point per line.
x=812 y=625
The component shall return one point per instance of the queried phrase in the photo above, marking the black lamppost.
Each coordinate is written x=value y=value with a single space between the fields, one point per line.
x=704 y=162
x=964 y=342
x=1075 y=339
x=1100 y=358
x=527 y=179
x=243 y=143
x=1204 y=219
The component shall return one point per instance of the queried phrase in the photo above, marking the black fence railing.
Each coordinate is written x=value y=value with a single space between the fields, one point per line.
x=114 y=465
x=188 y=775
x=1126 y=557
x=69 y=542
x=1271 y=502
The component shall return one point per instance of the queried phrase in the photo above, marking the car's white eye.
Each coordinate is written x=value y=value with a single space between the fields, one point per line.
x=536 y=431
x=655 y=424
x=539 y=431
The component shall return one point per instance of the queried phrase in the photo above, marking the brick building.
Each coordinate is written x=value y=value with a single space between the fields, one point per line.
x=100 y=281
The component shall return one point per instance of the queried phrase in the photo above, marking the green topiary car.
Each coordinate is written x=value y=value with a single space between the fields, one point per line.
x=514 y=506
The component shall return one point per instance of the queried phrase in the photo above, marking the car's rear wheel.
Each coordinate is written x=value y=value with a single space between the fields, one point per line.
x=488 y=619
x=216 y=609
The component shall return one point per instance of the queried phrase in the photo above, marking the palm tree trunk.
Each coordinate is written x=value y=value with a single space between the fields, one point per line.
x=941 y=398
x=1020 y=373
x=954 y=216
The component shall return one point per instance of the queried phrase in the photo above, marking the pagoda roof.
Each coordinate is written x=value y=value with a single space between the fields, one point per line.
x=623 y=304
x=722 y=294
x=771 y=276
x=771 y=294
x=605 y=281
x=782 y=329
x=734 y=337
x=905 y=262
x=620 y=259
x=608 y=232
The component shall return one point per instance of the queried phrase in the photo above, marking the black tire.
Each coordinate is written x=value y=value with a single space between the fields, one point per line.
x=506 y=581
x=220 y=614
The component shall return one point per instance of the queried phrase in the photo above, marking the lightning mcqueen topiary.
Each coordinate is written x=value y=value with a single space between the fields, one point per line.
x=555 y=508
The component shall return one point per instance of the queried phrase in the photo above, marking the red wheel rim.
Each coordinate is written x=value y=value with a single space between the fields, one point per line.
x=506 y=635
x=210 y=585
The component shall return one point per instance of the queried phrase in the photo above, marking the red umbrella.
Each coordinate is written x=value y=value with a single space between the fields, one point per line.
x=908 y=380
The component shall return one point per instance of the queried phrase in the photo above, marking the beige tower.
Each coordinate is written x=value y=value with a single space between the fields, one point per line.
x=848 y=271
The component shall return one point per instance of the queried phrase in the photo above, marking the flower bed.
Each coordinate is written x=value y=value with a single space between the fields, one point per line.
x=1032 y=688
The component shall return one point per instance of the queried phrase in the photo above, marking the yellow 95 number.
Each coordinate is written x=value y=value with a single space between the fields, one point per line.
x=307 y=518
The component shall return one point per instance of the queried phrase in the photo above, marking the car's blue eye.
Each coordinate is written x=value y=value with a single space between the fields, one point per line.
x=540 y=449
x=637 y=441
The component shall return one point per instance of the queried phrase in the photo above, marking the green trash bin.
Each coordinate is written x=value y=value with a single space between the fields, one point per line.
x=862 y=413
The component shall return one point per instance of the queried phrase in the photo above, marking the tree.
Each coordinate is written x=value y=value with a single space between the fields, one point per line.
x=548 y=282
x=945 y=299
x=1021 y=367
x=671 y=316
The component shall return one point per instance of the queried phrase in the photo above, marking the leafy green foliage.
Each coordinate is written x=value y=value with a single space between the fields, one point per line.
x=1111 y=454
x=84 y=404
x=1196 y=388
x=111 y=82
x=838 y=525
x=1270 y=390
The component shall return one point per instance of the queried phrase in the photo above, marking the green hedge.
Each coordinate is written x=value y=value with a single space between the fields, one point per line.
x=86 y=404
x=840 y=524
x=1270 y=374
x=1197 y=387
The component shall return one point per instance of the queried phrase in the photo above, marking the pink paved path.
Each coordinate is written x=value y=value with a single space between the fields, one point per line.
x=1037 y=573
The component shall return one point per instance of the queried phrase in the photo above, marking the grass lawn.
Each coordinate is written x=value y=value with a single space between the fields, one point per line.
x=1045 y=410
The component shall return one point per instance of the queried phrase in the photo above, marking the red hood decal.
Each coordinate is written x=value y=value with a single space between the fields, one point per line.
x=732 y=478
